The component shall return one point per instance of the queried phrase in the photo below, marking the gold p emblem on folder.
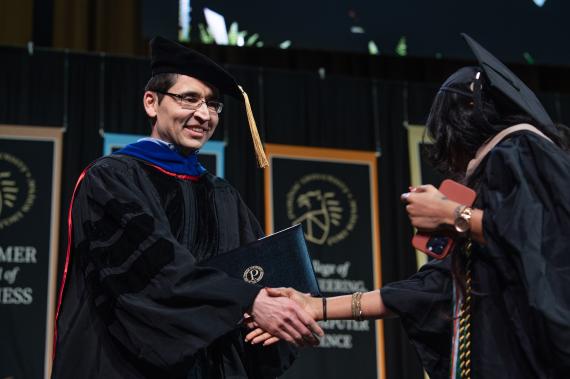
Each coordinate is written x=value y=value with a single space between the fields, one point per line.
x=253 y=274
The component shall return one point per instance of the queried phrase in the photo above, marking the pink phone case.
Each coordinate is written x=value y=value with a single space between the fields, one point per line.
x=456 y=192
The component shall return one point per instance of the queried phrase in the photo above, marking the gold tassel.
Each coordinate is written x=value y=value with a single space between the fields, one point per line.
x=257 y=145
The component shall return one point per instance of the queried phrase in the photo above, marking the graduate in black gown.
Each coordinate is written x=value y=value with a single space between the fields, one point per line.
x=135 y=302
x=499 y=305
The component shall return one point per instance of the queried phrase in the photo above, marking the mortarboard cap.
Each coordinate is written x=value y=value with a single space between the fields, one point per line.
x=465 y=76
x=506 y=82
x=171 y=57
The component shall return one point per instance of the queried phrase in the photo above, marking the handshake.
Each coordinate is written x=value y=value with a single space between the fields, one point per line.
x=285 y=314
x=289 y=315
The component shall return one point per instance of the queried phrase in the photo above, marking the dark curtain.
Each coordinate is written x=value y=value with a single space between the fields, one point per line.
x=31 y=87
x=123 y=89
x=398 y=258
x=89 y=94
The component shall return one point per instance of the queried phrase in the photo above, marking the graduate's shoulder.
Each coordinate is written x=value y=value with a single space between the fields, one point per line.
x=527 y=157
x=524 y=140
x=526 y=146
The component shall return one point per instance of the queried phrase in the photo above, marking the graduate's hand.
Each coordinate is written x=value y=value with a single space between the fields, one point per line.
x=259 y=335
x=428 y=208
x=311 y=305
x=284 y=319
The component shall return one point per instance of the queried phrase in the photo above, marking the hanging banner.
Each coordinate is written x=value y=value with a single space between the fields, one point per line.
x=333 y=194
x=211 y=156
x=30 y=176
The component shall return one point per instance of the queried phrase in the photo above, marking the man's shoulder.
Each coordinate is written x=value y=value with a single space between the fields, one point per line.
x=119 y=164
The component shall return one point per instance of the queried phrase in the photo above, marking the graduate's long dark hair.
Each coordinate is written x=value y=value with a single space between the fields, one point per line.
x=466 y=114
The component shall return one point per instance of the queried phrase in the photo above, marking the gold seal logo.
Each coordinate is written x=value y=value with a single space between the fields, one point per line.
x=253 y=274
x=325 y=206
x=17 y=189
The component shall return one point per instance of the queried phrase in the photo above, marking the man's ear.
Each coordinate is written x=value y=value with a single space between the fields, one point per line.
x=150 y=102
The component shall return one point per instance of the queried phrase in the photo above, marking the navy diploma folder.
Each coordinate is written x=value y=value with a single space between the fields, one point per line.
x=277 y=260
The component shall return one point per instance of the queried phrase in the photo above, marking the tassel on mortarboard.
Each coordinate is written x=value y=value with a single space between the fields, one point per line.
x=257 y=145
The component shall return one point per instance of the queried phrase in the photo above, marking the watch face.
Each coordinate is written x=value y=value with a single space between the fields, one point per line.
x=461 y=225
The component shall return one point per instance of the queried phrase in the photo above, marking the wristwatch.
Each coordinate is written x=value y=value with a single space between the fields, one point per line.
x=463 y=219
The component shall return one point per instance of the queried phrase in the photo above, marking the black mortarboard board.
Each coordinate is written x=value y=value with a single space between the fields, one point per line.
x=506 y=82
x=171 y=57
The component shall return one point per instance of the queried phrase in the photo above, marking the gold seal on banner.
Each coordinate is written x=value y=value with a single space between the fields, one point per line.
x=325 y=206
x=17 y=189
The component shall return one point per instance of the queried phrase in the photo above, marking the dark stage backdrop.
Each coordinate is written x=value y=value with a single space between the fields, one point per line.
x=91 y=94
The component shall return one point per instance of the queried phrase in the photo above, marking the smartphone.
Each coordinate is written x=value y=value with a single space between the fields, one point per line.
x=437 y=244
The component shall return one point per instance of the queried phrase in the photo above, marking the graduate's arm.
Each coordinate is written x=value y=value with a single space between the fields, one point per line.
x=430 y=210
x=336 y=308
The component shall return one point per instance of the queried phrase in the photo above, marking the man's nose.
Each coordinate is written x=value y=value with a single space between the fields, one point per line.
x=202 y=112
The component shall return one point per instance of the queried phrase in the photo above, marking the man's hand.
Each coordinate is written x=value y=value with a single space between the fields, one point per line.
x=281 y=318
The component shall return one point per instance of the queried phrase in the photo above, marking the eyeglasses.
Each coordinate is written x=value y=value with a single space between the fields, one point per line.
x=194 y=102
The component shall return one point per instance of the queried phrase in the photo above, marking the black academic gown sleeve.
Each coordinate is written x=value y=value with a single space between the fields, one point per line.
x=424 y=304
x=525 y=195
x=156 y=302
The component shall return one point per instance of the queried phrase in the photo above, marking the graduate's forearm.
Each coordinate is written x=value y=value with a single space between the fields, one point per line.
x=340 y=307
x=337 y=308
x=476 y=231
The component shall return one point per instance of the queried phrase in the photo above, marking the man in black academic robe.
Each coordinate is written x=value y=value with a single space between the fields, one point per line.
x=135 y=300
